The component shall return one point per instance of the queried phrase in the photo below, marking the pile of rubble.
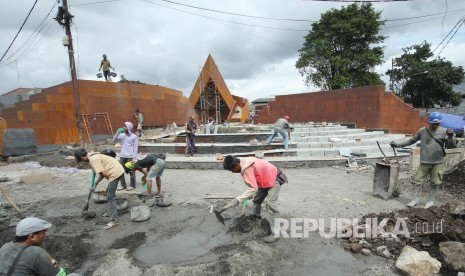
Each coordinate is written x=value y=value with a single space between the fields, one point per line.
x=454 y=179
x=418 y=239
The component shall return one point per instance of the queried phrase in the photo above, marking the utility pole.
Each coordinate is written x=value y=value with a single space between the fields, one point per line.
x=64 y=18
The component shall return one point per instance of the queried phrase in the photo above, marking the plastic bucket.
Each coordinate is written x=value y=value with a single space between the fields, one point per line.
x=99 y=75
x=113 y=74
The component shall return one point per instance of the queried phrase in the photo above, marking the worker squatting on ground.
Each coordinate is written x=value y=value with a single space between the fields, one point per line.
x=279 y=126
x=105 y=64
x=105 y=167
x=432 y=154
x=129 y=147
x=152 y=166
x=140 y=120
x=451 y=142
x=190 y=129
x=263 y=180
x=24 y=256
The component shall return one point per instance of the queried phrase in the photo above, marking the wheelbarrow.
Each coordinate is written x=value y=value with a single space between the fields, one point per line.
x=386 y=177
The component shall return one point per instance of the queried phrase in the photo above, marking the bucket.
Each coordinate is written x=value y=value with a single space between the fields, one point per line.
x=113 y=74
x=100 y=197
x=99 y=75
x=385 y=180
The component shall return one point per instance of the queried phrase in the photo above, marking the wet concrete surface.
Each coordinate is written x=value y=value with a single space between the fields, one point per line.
x=185 y=236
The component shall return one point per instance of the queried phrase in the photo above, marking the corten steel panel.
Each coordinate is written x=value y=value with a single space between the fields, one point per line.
x=53 y=114
x=2 y=134
x=368 y=107
x=62 y=135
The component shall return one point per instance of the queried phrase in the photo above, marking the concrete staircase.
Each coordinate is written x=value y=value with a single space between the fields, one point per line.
x=307 y=141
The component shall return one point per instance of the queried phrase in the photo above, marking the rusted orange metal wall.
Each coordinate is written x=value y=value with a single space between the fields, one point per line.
x=369 y=107
x=51 y=113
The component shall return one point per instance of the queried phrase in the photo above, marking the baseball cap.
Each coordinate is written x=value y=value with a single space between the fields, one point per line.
x=31 y=225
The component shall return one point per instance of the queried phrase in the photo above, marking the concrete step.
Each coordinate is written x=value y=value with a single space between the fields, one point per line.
x=350 y=143
x=347 y=131
x=362 y=135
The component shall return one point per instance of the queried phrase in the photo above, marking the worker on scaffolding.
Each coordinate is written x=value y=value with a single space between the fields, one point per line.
x=105 y=64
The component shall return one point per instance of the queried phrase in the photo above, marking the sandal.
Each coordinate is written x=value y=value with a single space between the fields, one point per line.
x=110 y=225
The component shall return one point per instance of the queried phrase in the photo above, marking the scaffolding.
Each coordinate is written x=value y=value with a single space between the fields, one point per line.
x=87 y=126
x=211 y=105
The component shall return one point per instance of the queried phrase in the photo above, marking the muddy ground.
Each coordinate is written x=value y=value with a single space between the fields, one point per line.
x=185 y=239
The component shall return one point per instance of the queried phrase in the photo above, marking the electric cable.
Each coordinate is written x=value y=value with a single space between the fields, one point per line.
x=19 y=31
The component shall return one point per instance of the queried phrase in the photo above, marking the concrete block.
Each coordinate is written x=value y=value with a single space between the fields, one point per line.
x=36 y=178
x=317 y=152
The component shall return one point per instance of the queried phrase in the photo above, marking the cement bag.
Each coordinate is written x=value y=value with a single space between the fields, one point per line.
x=140 y=213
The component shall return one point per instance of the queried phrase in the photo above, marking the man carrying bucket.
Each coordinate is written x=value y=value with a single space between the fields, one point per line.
x=432 y=154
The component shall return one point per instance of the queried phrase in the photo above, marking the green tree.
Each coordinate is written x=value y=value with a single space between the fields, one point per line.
x=340 y=51
x=425 y=83
x=123 y=79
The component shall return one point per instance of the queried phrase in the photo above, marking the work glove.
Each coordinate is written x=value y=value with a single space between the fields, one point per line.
x=232 y=204
x=394 y=144
x=120 y=130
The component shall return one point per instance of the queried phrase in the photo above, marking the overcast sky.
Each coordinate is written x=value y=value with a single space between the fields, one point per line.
x=166 y=42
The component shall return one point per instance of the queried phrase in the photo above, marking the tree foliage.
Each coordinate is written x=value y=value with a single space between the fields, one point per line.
x=340 y=51
x=125 y=80
x=425 y=83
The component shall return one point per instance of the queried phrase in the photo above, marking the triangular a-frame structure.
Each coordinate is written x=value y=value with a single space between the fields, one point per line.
x=211 y=99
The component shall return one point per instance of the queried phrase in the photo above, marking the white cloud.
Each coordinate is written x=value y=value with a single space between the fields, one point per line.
x=147 y=41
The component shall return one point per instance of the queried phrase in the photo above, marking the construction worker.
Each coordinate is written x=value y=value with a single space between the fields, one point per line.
x=432 y=154
x=140 y=120
x=105 y=167
x=24 y=256
x=152 y=166
x=451 y=142
x=105 y=64
x=263 y=180
x=129 y=148
x=279 y=126
x=190 y=130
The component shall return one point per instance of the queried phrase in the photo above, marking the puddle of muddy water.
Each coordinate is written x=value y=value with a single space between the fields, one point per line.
x=179 y=248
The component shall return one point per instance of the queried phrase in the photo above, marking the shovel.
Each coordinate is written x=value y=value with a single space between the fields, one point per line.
x=86 y=207
x=219 y=217
x=12 y=204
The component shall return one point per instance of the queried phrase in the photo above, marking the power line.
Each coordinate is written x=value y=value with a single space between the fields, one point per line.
x=457 y=24
x=415 y=22
x=18 y=31
x=93 y=3
x=450 y=38
x=238 y=14
x=34 y=34
x=228 y=21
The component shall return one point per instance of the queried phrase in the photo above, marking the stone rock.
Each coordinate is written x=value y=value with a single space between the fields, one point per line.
x=140 y=213
x=366 y=252
x=453 y=253
x=118 y=262
x=36 y=178
x=380 y=249
x=385 y=253
x=254 y=142
x=457 y=209
x=417 y=263
x=356 y=247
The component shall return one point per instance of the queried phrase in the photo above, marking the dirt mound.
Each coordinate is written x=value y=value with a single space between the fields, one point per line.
x=427 y=228
x=454 y=179
x=250 y=225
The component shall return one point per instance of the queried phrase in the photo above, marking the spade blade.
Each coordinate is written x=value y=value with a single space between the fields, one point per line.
x=219 y=217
